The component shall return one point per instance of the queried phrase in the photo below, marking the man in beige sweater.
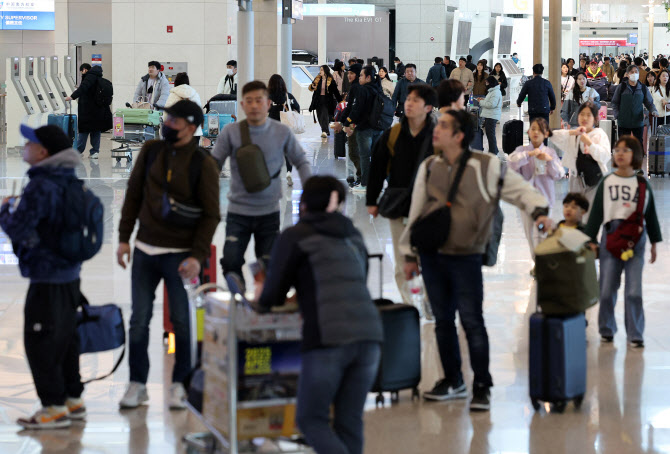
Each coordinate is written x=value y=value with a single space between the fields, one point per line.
x=464 y=76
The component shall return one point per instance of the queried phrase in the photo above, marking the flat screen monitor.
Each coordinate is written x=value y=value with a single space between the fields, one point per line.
x=505 y=39
x=463 y=38
x=27 y=15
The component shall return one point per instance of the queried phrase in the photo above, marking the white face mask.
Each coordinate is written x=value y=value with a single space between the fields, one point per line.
x=229 y=71
x=634 y=77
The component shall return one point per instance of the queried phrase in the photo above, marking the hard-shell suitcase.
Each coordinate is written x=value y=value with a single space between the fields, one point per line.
x=512 y=134
x=608 y=127
x=659 y=152
x=557 y=360
x=400 y=364
x=214 y=123
x=340 y=142
x=67 y=122
x=224 y=107
x=146 y=117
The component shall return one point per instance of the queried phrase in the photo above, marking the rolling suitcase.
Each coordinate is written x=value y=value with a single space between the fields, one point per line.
x=659 y=152
x=607 y=126
x=340 y=142
x=400 y=364
x=67 y=122
x=512 y=134
x=557 y=360
x=224 y=107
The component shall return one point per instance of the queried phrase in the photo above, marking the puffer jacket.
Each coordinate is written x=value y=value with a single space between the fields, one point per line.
x=92 y=117
x=180 y=93
x=324 y=257
x=492 y=104
x=33 y=224
x=161 y=90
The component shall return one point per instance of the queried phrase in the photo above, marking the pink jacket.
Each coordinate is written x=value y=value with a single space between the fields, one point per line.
x=525 y=165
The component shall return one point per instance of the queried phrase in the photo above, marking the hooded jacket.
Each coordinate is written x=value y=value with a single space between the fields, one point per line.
x=182 y=92
x=362 y=106
x=492 y=104
x=161 y=90
x=92 y=117
x=324 y=257
x=34 y=222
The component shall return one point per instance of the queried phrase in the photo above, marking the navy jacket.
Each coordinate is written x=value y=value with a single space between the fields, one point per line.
x=400 y=94
x=30 y=224
x=541 y=99
x=436 y=74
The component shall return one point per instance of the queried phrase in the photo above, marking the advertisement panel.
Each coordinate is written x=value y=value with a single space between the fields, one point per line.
x=602 y=42
x=27 y=15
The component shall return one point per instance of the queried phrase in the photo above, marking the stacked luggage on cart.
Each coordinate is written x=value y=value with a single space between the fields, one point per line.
x=133 y=127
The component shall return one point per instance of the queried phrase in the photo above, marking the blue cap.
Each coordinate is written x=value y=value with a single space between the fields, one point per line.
x=51 y=137
x=29 y=133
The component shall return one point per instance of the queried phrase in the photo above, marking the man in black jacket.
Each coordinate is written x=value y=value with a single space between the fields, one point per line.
x=541 y=98
x=354 y=86
x=471 y=66
x=448 y=65
x=399 y=68
x=411 y=140
x=94 y=116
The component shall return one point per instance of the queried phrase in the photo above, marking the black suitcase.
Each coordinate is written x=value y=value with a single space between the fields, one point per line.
x=659 y=151
x=512 y=134
x=400 y=364
x=557 y=360
x=340 y=142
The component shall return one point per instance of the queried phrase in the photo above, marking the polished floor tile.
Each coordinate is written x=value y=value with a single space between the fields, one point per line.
x=626 y=409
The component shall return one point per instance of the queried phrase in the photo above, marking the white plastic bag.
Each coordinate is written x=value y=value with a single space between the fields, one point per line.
x=293 y=120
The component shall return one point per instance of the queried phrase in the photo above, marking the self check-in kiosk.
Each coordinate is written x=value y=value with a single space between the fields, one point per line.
x=56 y=80
x=68 y=73
x=19 y=106
x=46 y=86
x=30 y=73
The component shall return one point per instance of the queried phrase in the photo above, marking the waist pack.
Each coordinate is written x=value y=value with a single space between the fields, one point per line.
x=100 y=329
x=622 y=240
x=251 y=163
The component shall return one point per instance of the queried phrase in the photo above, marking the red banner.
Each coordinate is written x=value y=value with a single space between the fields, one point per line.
x=602 y=42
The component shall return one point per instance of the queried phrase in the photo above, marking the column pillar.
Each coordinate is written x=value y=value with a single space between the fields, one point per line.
x=267 y=31
x=245 y=50
x=554 y=75
x=286 y=52
x=651 y=35
x=537 y=31
x=322 y=38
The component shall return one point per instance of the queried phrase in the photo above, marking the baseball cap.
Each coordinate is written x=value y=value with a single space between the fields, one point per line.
x=50 y=137
x=188 y=110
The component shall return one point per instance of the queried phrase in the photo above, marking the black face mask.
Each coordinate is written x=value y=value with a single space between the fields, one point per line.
x=170 y=135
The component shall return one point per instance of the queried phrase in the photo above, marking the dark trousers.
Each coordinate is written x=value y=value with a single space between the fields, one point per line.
x=95 y=141
x=239 y=229
x=323 y=114
x=353 y=153
x=147 y=272
x=366 y=140
x=637 y=132
x=490 y=129
x=289 y=167
x=51 y=340
x=342 y=377
x=454 y=283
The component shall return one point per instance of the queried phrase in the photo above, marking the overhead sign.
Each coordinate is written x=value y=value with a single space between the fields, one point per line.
x=27 y=15
x=96 y=59
x=355 y=10
x=297 y=9
x=632 y=38
x=602 y=42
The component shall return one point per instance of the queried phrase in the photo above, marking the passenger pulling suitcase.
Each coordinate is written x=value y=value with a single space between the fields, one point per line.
x=67 y=122
x=557 y=360
x=400 y=364
x=512 y=134
x=340 y=142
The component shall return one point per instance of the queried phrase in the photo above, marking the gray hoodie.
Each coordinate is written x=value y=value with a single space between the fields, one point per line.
x=161 y=90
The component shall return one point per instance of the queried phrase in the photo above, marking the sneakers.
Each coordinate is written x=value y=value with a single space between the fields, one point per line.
x=289 y=179
x=94 y=156
x=481 y=398
x=76 y=408
x=176 y=400
x=353 y=184
x=136 y=395
x=359 y=189
x=637 y=344
x=444 y=390
x=52 y=417
x=607 y=339
x=324 y=135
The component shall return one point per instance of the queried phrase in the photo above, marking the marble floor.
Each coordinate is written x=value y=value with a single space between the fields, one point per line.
x=627 y=404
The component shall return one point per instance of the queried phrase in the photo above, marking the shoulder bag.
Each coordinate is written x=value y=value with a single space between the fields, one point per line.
x=490 y=256
x=292 y=119
x=251 y=163
x=178 y=213
x=624 y=238
x=587 y=167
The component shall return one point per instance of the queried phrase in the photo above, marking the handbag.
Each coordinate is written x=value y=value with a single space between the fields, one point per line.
x=292 y=119
x=588 y=168
x=178 y=213
x=490 y=256
x=622 y=240
x=431 y=231
x=100 y=328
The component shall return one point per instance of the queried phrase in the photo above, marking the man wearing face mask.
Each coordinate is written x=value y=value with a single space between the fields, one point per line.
x=228 y=83
x=627 y=104
x=167 y=246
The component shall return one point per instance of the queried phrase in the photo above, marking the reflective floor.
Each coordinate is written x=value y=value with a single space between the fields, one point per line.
x=626 y=409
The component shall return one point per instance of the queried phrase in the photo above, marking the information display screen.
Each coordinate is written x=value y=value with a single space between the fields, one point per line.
x=27 y=15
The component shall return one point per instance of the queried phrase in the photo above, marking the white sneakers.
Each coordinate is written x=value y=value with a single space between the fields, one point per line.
x=324 y=135
x=177 y=397
x=52 y=417
x=136 y=395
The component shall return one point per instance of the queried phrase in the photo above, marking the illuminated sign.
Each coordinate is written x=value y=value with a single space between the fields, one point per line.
x=355 y=10
x=602 y=42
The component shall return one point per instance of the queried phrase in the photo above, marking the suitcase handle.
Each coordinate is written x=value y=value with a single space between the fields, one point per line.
x=380 y=257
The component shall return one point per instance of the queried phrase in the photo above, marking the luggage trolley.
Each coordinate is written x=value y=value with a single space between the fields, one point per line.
x=133 y=127
x=251 y=364
x=213 y=124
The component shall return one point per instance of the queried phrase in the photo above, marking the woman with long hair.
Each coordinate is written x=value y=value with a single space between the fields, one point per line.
x=338 y=74
x=387 y=83
x=500 y=76
x=479 y=88
x=620 y=72
x=324 y=98
x=580 y=94
x=567 y=81
x=661 y=95
x=280 y=97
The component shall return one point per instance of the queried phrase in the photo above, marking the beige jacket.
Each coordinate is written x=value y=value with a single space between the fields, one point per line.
x=465 y=77
x=473 y=207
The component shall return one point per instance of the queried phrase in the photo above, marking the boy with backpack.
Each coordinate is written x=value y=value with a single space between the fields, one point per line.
x=37 y=223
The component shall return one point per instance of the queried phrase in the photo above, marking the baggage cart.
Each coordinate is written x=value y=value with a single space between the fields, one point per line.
x=251 y=364
x=131 y=131
x=214 y=124
x=224 y=107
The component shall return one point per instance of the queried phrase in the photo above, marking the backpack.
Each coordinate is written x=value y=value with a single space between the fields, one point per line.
x=104 y=92
x=251 y=163
x=381 y=113
x=81 y=231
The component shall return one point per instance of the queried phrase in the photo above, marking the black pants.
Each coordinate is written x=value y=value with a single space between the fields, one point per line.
x=323 y=114
x=637 y=132
x=51 y=341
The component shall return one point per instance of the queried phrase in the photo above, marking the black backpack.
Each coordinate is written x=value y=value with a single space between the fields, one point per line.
x=381 y=112
x=104 y=92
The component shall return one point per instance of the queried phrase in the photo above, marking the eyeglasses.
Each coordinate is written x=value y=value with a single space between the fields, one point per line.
x=622 y=150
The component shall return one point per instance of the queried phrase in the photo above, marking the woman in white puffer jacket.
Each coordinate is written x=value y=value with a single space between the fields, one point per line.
x=182 y=90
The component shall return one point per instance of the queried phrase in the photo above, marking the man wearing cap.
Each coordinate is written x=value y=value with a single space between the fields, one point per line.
x=354 y=85
x=228 y=83
x=169 y=173
x=594 y=71
x=50 y=326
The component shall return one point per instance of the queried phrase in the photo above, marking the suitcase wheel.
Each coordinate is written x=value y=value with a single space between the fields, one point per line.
x=395 y=397
x=379 y=400
x=536 y=404
x=559 y=406
x=578 y=401
x=415 y=394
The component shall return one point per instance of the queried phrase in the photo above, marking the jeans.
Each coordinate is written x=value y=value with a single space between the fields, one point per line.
x=239 y=229
x=147 y=272
x=637 y=132
x=366 y=140
x=610 y=280
x=490 y=129
x=454 y=283
x=95 y=142
x=51 y=341
x=342 y=377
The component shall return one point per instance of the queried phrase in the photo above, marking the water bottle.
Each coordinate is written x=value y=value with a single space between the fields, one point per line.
x=471 y=100
x=415 y=288
x=191 y=284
